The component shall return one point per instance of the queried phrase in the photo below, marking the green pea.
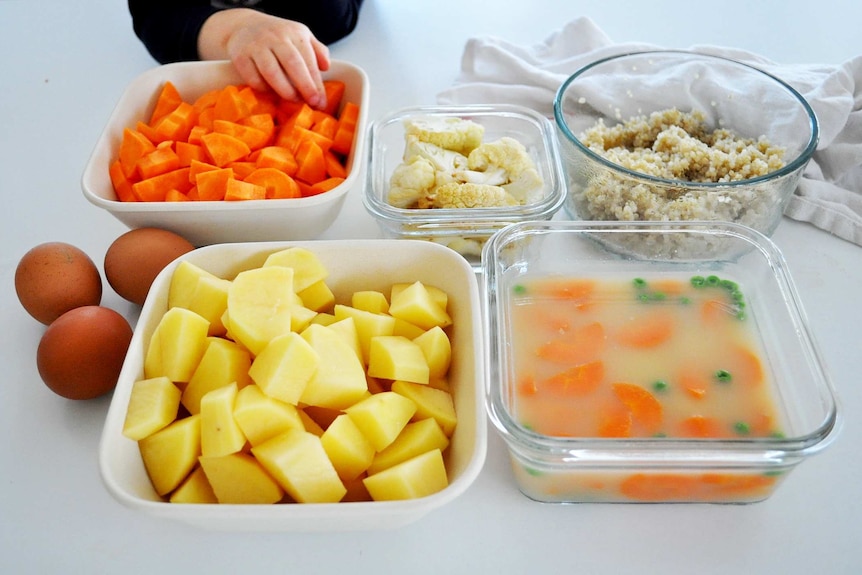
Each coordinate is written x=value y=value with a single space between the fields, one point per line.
x=533 y=472
x=684 y=300
x=741 y=428
x=639 y=283
x=723 y=376
x=658 y=296
x=712 y=280
x=660 y=385
x=643 y=297
x=519 y=289
x=698 y=281
x=729 y=285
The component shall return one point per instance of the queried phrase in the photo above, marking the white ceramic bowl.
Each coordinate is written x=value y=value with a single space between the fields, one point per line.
x=205 y=223
x=353 y=265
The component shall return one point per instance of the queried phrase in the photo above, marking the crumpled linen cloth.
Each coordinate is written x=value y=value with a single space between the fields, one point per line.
x=829 y=195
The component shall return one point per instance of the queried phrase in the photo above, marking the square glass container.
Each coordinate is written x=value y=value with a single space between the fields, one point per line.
x=661 y=467
x=463 y=229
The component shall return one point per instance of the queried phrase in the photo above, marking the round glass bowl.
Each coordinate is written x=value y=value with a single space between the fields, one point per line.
x=767 y=114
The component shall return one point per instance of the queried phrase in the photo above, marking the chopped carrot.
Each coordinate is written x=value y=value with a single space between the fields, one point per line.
x=527 y=385
x=695 y=382
x=278 y=185
x=149 y=132
x=343 y=140
x=187 y=152
x=239 y=190
x=303 y=117
x=266 y=105
x=292 y=137
x=156 y=188
x=223 y=149
x=568 y=289
x=650 y=330
x=699 y=426
x=312 y=167
x=658 y=487
x=242 y=169
x=207 y=99
x=578 y=380
x=252 y=137
x=196 y=133
x=174 y=195
x=580 y=345
x=705 y=487
x=161 y=160
x=334 y=94
x=263 y=122
x=334 y=167
x=749 y=368
x=305 y=189
x=166 y=102
x=230 y=105
x=122 y=186
x=206 y=118
x=197 y=167
x=614 y=421
x=133 y=147
x=178 y=124
x=277 y=157
x=326 y=126
x=212 y=184
x=326 y=185
x=645 y=408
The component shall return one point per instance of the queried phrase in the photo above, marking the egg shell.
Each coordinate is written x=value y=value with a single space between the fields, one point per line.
x=54 y=277
x=82 y=352
x=135 y=258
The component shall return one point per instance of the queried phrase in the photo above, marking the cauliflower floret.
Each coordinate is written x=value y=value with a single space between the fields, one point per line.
x=455 y=134
x=410 y=182
x=527 y=187
x=506 y=153
x=458 y=195
x=443 y=160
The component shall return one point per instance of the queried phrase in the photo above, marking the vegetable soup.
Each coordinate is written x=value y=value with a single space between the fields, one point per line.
x=638 y=357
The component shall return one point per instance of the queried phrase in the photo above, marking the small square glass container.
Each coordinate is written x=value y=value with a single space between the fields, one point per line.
x=463 y=229
x=669 y=468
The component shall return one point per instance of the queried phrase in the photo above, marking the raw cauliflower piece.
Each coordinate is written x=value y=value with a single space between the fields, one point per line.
x=455 y=134
x=458 y=195
x=410 y=182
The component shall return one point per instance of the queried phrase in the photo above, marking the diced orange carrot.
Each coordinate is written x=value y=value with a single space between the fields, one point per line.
x=188 y=152
x=166 y=102
x=206 y=118
x=196 y=133
x=568 y=289
x=286 y=109
x=614 y=421
x=577 y=380
x=252 y=137
x=749 y=368
x=278 y=185
x=582 y=344
x=149 y=132
x=223 y=149
x=263 y=122
x=527 y=386
x=303 y=117
x=161 y=160
x=239 y=190
x=177 y=125
x=312 y=167
x=326 y=126
x=133 y=147
x=122 y=185
x=241 y=169
x=277 y=157
x=326 y=185
x=343 y=140
x=197 y=167
x=334 y=94
x=305 y=189
x=230 y=105
x=267 y=103
x=212 y=184
x=174 y=195
x=334 y=167
x=156 y=188
x=646 y=410
x=193 y=194
x=647 y=331
x=700 y=426
x=207 y=99
x=248 y=96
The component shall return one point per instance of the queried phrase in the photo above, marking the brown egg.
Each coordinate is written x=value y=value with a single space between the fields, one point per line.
x=53 y=278
x=82 y=352
x=135 y=258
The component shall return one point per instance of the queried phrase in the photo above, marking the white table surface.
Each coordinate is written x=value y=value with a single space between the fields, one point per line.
x=64 y=65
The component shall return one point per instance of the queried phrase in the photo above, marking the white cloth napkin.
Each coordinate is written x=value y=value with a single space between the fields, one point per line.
x=829 y=195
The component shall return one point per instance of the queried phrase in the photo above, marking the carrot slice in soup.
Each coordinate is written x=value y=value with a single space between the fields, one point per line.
x=699 y=426
x=580 y=345
x=647 y=331
x=578 y=380
x=646 y=410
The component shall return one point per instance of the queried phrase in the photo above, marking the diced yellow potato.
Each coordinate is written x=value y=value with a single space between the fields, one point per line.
x=297 y=460
x=440 y=383
x=184 y=280
x=420 y=476
x=368 y=325
x=262 y=417
x=406 y=329
x=324 y=318
x=170 y=454
x=381 y=417
x=210 y=302
x=194 y=489
x=347 y=448
x=307 y=267
x=437 y=349
x=415 y=304
x=238 y=478
x=259 y=304
x=356 y=490
x=396 y=357
x=430 y=402
x=300 y=316
x=437 y=294
x=223 y=362
x=318 y=296
x=284 y=367
x=370 y=300
x=347 y=328
x=416 y=438
x=153 y=404
x=340 y=377
x=176 y=345
x=220 y=433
